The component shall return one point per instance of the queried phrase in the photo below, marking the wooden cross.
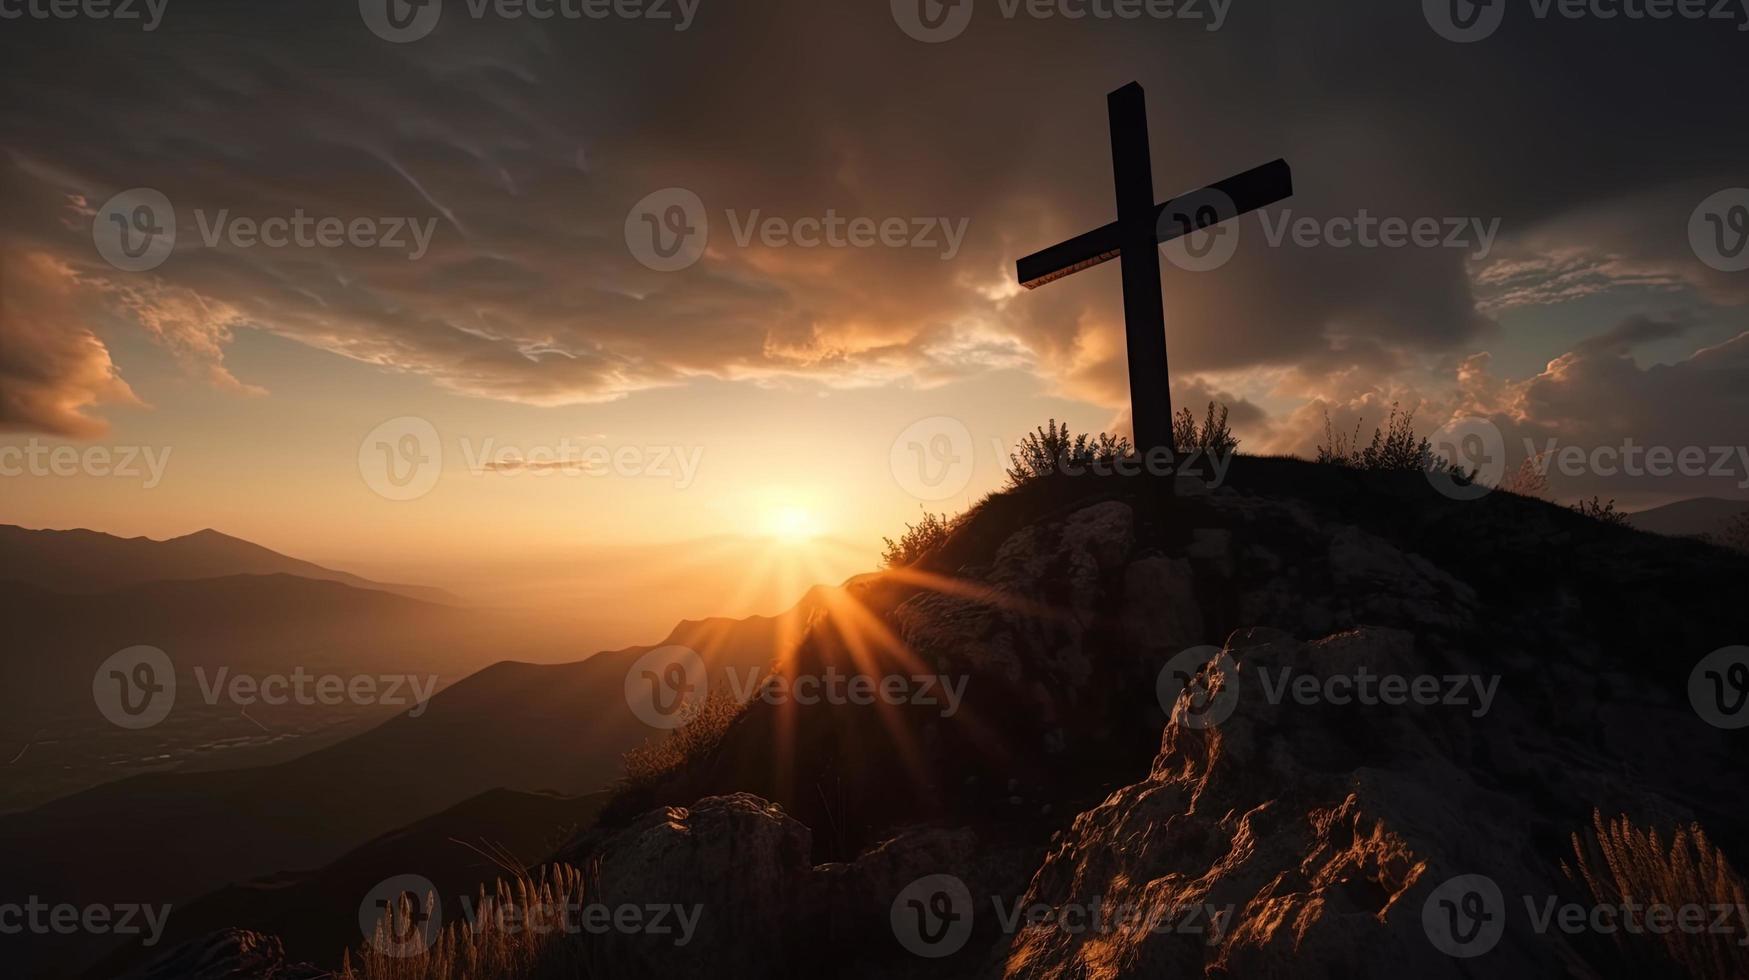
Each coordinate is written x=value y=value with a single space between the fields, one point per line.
x=1140 y=226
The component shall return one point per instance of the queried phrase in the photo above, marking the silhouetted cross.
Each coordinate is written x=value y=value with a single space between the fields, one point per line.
x=1140 y=226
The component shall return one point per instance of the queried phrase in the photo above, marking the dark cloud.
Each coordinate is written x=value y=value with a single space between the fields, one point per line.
x=526 y=143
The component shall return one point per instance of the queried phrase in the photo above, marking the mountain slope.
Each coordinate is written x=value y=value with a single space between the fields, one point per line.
x=315 y=913
x=255 y=625
x=81 y=561
x=559 y=728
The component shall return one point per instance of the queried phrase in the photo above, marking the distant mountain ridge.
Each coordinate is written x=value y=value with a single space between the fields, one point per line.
x=84 y=562
x=1687 y=518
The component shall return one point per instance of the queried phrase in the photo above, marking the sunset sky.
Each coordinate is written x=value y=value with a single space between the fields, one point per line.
x=789 y=372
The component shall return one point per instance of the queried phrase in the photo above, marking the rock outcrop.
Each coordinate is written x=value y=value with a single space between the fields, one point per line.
x=231 y=954
x=1287 y=825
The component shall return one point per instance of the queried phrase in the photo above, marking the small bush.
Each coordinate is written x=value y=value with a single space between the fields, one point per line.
x=1394 y=447
x=1213 y=437
x=918 y=540
x=1051 y=451
x=1531 y=480
x=1736 y=533
x=1619 y=863
x=1599 y=510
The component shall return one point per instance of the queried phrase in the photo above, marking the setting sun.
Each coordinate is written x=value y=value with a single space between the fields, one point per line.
x=790 y=523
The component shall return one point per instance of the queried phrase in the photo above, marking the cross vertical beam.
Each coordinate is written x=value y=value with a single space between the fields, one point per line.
x=1144 y=313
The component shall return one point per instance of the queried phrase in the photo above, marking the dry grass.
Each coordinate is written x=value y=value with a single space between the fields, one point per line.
x=1620 y=863
x=522 y=930
x=655 y=760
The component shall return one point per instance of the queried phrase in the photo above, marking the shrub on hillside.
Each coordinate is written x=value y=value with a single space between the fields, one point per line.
x=1600 y=510
x=1051 y=451
x=1736 y=533
x=1394 y=447
x=1213 y=437
x=919 y=539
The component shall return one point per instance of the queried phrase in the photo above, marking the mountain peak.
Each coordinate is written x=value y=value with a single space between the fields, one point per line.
x=1375 y=673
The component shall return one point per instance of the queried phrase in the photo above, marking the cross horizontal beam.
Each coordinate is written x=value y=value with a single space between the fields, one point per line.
x=1239 y=194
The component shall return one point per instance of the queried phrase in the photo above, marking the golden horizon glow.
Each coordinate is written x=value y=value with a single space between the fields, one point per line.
x=790 y=523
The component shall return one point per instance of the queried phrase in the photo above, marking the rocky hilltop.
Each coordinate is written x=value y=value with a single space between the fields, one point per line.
x=1312 y=722
x=1529 y=668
